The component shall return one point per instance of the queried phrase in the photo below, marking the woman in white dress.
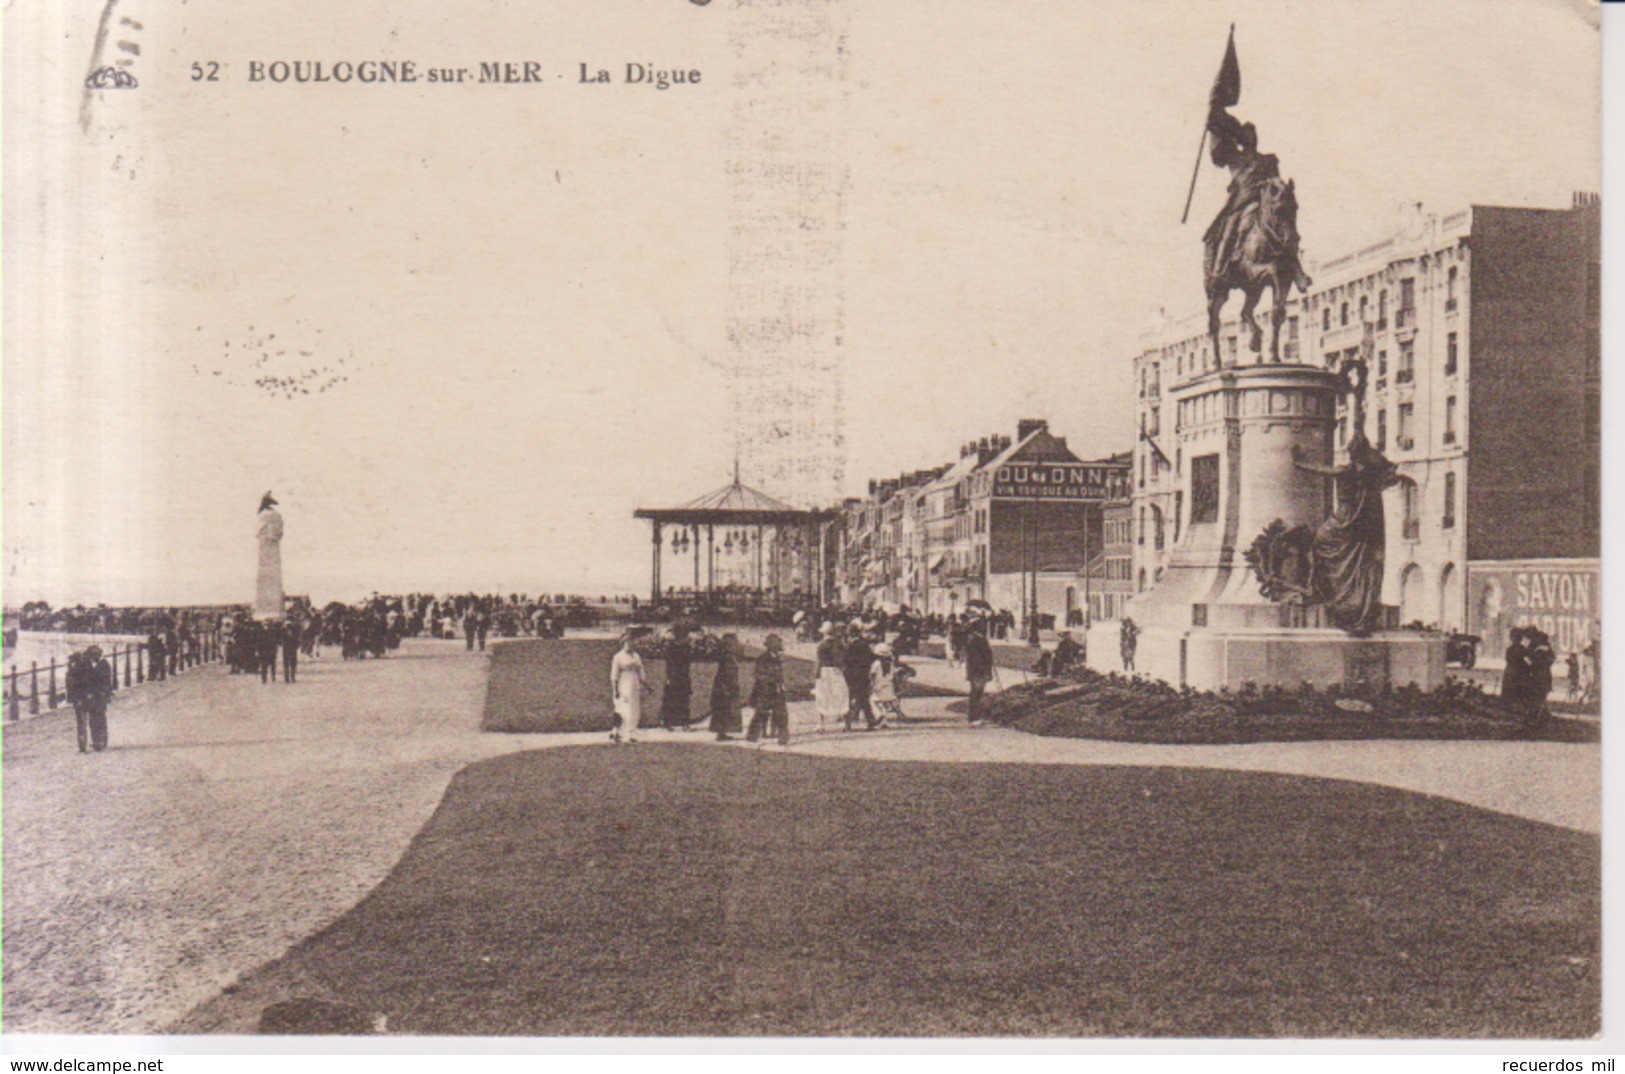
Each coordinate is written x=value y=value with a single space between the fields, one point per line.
x=626 y=686
x=829 y=690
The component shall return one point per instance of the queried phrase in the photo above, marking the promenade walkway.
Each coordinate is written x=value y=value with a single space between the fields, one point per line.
x=230 y=819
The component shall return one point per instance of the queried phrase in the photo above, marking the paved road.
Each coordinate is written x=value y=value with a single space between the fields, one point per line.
x=230 y=820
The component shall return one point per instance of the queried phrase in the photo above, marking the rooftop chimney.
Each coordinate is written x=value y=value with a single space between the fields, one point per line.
x=1028 y=426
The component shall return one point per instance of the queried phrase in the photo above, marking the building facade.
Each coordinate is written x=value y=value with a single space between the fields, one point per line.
x=1018 y=522
x=1480 y=331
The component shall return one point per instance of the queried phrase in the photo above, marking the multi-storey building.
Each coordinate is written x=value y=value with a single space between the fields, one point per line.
x=1012 y=522
x=1480 y=330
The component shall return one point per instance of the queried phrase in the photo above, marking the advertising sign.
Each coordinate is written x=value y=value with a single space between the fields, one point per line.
x=1054 y=481
x=1560 y=596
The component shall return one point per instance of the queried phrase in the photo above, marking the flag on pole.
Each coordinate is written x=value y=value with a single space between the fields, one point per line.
x=1227 y=86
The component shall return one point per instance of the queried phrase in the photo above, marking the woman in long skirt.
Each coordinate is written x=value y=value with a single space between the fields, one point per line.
x=829 y=691
x=726 y=720
x=626 y=686
x=674 y=698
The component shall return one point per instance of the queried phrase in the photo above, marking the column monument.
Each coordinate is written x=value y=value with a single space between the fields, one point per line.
x=268 y=594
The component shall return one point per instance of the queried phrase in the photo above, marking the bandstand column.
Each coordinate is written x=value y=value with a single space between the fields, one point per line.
x=654 y=568
x=710 y=559
x=696 y=560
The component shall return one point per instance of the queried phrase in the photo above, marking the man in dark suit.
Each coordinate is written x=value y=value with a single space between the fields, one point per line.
x=269 y=636
x=978 y=667
x=292 y=633
x=89 y=688
x=856 y=661
x=157 y=657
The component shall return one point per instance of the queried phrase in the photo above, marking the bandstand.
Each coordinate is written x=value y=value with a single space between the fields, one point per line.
x=769 y=550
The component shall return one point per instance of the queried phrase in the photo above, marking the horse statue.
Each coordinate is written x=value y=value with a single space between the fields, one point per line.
x=1253 y=243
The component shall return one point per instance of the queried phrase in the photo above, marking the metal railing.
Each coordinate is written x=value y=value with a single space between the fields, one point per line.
x=130 y=663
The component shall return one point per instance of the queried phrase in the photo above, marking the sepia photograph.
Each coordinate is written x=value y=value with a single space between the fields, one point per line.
x=800 y=521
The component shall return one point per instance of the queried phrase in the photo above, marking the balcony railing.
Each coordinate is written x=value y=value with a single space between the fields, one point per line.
x=1405 y=376
x=1405 y=317
x=1450 y=305
x=1413 y=529
x=1406 y=443
x=1450 y=436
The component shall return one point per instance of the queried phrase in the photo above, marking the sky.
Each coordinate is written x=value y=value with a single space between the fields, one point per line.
x=463 y=331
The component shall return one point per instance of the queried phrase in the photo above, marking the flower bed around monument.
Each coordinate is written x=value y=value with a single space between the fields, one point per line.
x=1087 y=704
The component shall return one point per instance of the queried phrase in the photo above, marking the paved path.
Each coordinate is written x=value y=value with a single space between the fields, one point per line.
x=230 y=820
x=227 y=821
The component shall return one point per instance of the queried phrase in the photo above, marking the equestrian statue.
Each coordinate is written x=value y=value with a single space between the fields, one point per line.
x=1253 y=242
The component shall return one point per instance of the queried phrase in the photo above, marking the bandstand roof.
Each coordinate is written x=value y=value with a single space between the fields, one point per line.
x=734 y=504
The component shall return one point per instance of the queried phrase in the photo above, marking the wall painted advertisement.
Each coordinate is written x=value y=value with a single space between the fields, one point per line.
x=1560 y=596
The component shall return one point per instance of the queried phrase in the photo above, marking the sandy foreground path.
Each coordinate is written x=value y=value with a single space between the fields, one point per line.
x=227 y=821
x=231 y=819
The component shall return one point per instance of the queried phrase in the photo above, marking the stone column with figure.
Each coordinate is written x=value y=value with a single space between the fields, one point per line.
x=268 y=594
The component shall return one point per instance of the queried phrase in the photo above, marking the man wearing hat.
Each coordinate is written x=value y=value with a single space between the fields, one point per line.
x=770 y=713
x=89 y=687
x=978 y=666
x=856 y=661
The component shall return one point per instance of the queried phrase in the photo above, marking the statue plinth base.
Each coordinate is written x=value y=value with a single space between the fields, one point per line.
x=1241 y=433
x=1289 y=657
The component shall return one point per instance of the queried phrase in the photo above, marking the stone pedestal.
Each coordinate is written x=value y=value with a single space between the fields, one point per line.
x=1205 y=623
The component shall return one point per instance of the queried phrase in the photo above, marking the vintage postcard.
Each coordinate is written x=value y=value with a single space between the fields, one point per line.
x=803 y=519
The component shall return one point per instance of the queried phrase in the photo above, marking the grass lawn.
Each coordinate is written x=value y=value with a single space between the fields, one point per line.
x=559 y=686
x=676 y=890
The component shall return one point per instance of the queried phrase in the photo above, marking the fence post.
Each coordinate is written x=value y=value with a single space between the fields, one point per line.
x=33 y=688
x=50 y=697
x=140 y=662
x=16 y=707
x=127 y=671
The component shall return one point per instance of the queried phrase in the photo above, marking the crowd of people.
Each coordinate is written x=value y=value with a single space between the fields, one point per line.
x=860 y=679
x=860 y=651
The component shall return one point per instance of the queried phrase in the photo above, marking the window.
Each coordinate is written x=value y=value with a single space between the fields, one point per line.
x=1406 y=317
x=1292 y=329
x=1326 y=319
x=1407 y=363
x=1450 y=420
x=1343 y=315
x=1365 y=300
x=1156 y=422
x=1413 y=522
x=1205 y=489
x=1382 y=430
x=1449 y=501
x=1141 y=538
x=1452 y=354
x=1179 y=509
x=1382 y=310
x=1382 y=364
x=1342 y=432
x=1450 y=289
x=1407 y=414
x=1156 y=527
